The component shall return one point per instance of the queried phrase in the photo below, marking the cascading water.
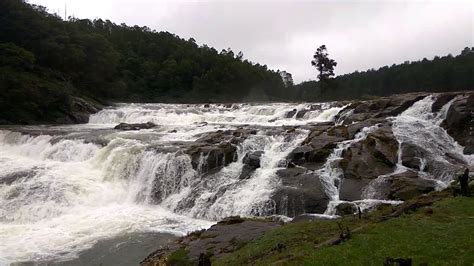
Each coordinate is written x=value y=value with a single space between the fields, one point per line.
x=64 y=188
x=420 y=127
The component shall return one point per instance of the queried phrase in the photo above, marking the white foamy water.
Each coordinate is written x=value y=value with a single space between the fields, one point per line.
x=64 y=188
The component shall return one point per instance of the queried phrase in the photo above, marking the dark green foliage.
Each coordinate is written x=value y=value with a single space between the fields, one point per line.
x=446 y=73
x=45 y=62
x=323 y=63
x=42 y=57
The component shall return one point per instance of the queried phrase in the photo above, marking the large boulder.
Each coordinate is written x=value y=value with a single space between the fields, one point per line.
x=413 y=155
x=402 y=186
x=208 y=157
x=407 y=185
x=365 y=160
x=318 y=145
x=375 y=155
x=459 y=122
x=291 y=113
x=251 y=162
x=299 y=193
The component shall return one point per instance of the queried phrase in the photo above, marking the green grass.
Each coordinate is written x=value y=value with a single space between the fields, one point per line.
x=445 y=237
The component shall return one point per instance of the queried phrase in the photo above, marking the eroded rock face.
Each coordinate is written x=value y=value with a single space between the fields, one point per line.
x=365 y=160
x=375 y=155
x=299 y=193
x=318 y=145
x=459 y=122
x=207 y=157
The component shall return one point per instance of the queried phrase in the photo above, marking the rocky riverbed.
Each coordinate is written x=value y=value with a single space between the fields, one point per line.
x=164 y=168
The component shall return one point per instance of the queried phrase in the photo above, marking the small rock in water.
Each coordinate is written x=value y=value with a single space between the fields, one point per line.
x=138 y=126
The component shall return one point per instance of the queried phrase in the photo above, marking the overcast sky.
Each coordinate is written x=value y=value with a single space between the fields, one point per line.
x=284 y=34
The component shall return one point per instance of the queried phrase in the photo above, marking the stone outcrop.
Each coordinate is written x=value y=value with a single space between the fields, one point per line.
x=404 y=186
x=378 y=108
x=299 y=193
x=222 y=238
x=366 y=160
x=251 y=162
x=459 y=122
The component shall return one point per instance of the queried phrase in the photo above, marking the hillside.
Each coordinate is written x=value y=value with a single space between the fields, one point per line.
x=55 y=71
x=46 y=62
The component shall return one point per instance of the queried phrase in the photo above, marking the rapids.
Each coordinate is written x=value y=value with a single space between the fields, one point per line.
x=63 y=189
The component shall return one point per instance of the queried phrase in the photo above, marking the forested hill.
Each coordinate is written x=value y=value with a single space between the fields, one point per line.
x=447 y=73
x=45 y=62
x=52 y=70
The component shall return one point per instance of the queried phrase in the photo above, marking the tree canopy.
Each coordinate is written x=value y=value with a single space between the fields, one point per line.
x=323 y=63
x=45 y=62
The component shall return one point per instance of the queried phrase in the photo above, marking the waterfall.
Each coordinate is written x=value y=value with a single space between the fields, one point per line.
x=64 y=188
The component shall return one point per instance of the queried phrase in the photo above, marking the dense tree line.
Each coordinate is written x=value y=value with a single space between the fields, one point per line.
x=45 y=61
x=447 y=73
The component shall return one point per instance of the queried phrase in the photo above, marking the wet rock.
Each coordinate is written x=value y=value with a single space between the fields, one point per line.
x=318 y=145
x=357 y=127
x=299 y=193
x=352 y=189
x=441 y=100
x=138 y=126
x=291 y=113
x=365 y=160
x=252 y=159
x=408 y=185
x=381 y=107
x=459 y=122
x=375 y=155
x=251 y=162
x=346 y=208
x=404 y=186
x=300 y=114
x=412 y=156
x=205 y=157
x=81 y=109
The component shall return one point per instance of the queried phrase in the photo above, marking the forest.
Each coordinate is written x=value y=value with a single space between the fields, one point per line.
x=447 y=73
x=45 y=62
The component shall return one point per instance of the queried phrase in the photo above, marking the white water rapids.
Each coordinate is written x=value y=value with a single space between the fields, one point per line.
x=63 y=188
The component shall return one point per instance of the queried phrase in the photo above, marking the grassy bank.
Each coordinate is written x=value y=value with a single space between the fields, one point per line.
x=441 y=234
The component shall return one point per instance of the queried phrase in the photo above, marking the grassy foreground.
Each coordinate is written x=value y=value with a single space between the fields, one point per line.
x=442 y=234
